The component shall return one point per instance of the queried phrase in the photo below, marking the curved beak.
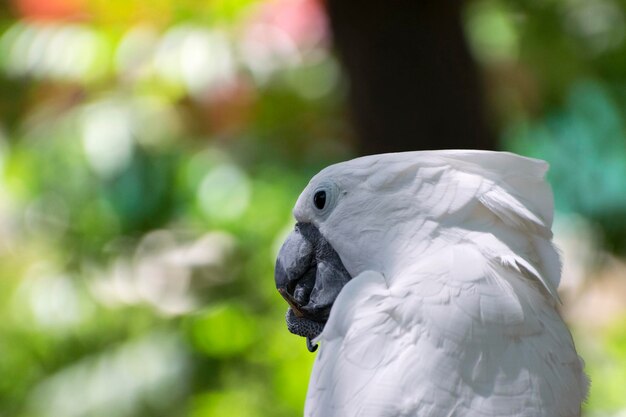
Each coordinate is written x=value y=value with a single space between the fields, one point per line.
x=309 y=275
x=295 y=258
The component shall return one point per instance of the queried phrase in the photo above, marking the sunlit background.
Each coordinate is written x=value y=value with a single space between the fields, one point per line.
x=150 y=154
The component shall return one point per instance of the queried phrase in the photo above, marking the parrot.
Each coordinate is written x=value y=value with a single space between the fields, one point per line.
x=428 y=280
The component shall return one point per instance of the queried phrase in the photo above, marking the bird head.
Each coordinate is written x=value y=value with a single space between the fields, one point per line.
x=383 y=212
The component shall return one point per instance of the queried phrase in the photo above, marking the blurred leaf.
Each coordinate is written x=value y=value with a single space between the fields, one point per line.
x=226 y=403
x=222 y=331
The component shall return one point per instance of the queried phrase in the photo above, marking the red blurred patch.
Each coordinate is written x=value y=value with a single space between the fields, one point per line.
x=303 y=20
x=50 y=9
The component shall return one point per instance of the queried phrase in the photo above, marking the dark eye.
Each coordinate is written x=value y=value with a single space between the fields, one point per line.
x=319 y=199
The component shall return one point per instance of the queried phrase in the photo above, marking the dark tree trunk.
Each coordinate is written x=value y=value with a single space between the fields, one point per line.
x=413 y=84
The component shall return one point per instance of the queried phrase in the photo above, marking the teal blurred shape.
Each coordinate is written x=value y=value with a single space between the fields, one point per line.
x=142 y=194
x=585 y=144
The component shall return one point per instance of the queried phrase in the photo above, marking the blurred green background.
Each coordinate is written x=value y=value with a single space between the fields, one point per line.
x=150 y=154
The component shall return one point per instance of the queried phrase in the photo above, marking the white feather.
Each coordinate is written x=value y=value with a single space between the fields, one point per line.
x=452 y=308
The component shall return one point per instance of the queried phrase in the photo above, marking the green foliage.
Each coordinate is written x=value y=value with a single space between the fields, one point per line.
x=142 y=204
x=606 y=361
x=222 y=331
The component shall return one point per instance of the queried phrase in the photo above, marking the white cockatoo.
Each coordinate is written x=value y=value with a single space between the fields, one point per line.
x=429 y=279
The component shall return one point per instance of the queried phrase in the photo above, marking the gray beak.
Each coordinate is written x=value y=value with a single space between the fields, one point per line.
x=309 y=275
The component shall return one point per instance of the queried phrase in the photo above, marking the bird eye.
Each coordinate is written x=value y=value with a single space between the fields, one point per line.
x=319 y=199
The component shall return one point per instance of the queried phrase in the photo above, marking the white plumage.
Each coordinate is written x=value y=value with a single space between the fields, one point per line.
x=452 y=309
